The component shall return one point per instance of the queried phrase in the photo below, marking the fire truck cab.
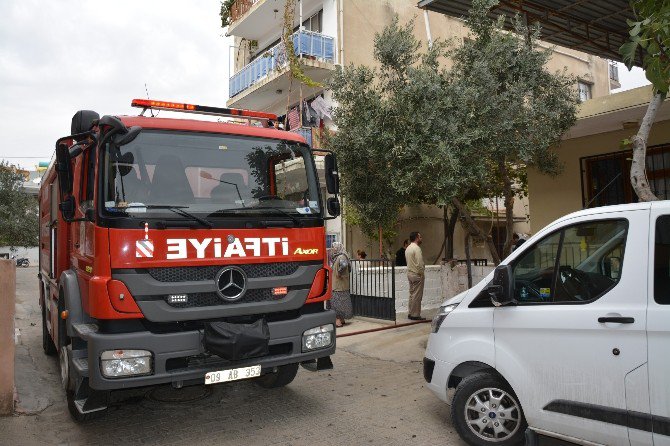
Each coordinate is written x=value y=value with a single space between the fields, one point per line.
x=183 y=251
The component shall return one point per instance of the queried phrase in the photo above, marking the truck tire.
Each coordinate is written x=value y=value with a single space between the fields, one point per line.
x=485 y=411
x=47 y=342
x=284 y=375
x=68 y=378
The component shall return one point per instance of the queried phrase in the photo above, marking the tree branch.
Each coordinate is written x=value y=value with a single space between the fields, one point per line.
x=638 y=174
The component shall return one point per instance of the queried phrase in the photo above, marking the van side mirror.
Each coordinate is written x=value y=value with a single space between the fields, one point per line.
x=333 y=206
x=501 y=290
x=331 y=174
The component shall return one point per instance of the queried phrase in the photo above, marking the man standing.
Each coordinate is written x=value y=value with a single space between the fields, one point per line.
x=400 y=254
x=415 y=276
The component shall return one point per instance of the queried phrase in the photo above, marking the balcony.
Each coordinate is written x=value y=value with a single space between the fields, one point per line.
x=257 y=85
x=256 y=19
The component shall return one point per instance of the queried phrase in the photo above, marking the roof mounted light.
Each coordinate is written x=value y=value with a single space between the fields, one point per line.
x=249 y=115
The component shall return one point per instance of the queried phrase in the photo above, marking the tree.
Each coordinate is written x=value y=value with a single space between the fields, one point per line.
x=650 y=37
x=226 y=12
x=412 y=132
x=388 y=118
x=515 y=108
x=18 y=211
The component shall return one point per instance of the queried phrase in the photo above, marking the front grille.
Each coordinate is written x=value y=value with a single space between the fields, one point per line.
x=201 y=273
x=211 y=299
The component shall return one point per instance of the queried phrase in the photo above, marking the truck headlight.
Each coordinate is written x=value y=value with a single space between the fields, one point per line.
x=318 y=337
x=439 y=317
x=120 y=363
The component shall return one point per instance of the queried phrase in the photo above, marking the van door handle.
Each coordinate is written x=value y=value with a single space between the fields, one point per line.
x=616 y=319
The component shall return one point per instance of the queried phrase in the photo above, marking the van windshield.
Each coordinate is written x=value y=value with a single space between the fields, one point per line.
x=207 y=174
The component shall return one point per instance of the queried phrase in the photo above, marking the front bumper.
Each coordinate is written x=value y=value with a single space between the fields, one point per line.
x=177 y=356
x=439 y=375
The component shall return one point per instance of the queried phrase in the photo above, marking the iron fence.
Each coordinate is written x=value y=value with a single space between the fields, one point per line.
x=373 y=288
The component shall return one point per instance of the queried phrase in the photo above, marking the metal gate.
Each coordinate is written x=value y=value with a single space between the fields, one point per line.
x=373 y=288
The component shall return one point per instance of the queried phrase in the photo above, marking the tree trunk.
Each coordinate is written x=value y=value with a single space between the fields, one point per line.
x=473 y=229
x=508 y=194
x=381 y=245
x=453 y=218
x=638 y=174
x=444 y=241
x=468 y=261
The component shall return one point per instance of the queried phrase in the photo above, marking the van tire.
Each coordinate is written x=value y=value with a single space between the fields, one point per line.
x=284 y=375
x=482 y=384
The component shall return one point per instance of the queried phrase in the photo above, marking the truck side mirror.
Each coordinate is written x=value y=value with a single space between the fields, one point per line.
x=83 y=120
x=66 y=207
x=333 y=206
x=64 y=169
x=331 y=174
x=501 y=290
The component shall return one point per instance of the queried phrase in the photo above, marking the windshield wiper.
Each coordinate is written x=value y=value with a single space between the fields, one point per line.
x=179 y=210
x=296 y=221
x=281 y=211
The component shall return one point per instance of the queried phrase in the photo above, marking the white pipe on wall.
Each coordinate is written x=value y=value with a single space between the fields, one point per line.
x=425 y=19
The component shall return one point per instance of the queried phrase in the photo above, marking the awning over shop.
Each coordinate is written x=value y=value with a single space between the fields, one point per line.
x=597 y=27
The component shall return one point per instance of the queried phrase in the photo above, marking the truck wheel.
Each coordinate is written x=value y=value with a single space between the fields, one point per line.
x=284 y=375
x=485 y=411
x=47 y=342
x=68 y=381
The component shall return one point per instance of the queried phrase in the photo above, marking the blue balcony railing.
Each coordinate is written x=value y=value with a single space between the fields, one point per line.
x=305 y=43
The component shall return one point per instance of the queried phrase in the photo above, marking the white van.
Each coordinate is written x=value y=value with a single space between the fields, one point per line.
x=568 y=337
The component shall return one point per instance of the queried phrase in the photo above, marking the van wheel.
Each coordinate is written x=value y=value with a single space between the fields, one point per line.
x=47 y=342
x=284 y=375
x=485 y=411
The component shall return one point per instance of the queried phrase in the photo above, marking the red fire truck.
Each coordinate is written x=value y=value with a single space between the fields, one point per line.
x=183 y=251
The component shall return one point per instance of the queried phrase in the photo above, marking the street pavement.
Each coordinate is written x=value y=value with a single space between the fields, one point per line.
x=375 y=395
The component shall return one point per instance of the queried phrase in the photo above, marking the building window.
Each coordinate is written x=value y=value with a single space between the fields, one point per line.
x=330 y=239
x=584 y=91
x=606 y=178
x=314 y=23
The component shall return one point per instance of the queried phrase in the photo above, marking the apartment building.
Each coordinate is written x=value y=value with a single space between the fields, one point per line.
x=328 y=33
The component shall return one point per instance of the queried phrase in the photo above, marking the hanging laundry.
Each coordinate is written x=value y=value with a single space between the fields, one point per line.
x=321 y=108
x=309 y=116
x=293 y=118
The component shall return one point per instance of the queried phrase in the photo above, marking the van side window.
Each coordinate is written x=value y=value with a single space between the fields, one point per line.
x=590 y=260
x=534 y=271
x=576 y=264
x=662 y=261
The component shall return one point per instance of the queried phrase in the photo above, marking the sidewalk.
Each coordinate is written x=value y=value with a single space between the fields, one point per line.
x=400 y=345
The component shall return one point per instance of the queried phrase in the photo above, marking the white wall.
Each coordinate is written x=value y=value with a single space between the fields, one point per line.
x=442 y=282
x=31 y=253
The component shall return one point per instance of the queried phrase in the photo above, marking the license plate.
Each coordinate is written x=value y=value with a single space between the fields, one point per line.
x=223 y=376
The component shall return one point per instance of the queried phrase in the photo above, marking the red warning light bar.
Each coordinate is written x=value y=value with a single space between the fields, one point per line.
x=203 y=109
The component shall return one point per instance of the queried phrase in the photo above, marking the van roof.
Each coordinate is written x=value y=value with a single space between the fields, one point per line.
x=192 y=125
x=662 y=204
x=607 y=209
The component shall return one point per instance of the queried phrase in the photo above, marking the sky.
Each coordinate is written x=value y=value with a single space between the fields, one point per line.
x=57 y=57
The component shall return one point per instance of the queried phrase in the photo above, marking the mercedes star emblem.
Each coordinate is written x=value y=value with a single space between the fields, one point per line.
x=231 y=283
x=230 y=238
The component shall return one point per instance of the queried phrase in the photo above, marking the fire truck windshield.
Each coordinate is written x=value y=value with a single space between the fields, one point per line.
x=208 y=175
